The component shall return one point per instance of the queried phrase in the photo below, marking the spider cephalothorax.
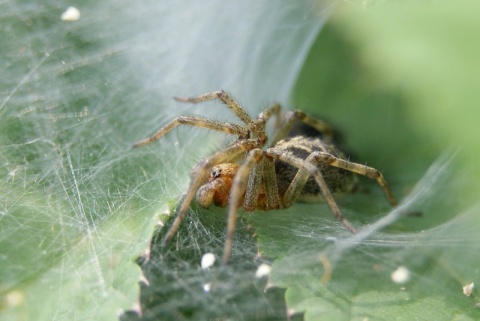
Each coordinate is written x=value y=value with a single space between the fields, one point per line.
x=250 y=175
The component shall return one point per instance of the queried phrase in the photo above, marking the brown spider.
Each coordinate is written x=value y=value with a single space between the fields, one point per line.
x=247 y=174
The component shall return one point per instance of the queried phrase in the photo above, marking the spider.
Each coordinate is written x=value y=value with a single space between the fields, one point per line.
x=249 y=173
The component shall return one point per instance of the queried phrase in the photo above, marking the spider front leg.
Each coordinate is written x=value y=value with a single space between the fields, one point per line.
x=197 y=122
x=238 y=188
x=230 y=103
x=262 y=180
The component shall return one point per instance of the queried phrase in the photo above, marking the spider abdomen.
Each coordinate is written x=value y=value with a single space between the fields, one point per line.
x=338 y=180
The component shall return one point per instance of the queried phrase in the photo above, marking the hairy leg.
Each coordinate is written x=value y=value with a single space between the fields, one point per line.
x=238 y=187
x=295 y=115
x=367 y=171
x=273 y=110
x=298 y=183
x=197 y=122
x=270 y=181
x=315 y=172
x=228 y=101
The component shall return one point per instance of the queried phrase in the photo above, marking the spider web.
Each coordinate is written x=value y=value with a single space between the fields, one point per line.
x=77 y=204
x=78 y=207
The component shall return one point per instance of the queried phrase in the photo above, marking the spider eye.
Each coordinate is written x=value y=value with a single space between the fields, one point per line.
x=216 y=172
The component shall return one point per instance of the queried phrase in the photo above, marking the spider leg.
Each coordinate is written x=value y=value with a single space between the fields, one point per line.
x=197 y=122
x=254 y=185
x=298 y=182
x=200 y=174
x=238 y=188
x=307 y=168
x=270 y=181
x=367 y=171
x=261 y=176
x=229 y=102
x=294 y=115
x=265 y=115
